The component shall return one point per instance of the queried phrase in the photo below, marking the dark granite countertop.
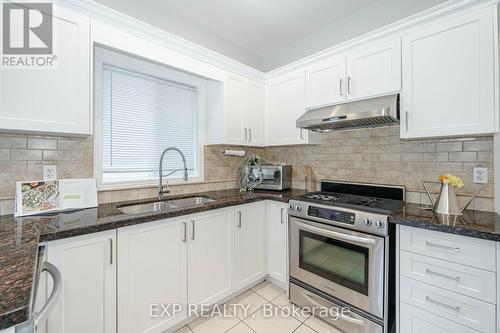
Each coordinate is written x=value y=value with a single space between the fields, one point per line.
x=474 y=223
x=20 y=239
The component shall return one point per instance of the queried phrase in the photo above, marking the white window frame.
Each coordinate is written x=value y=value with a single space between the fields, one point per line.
x=105 y=56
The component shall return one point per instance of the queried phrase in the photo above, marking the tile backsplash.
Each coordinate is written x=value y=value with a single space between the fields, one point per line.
x=374 y=155
x=378 y=155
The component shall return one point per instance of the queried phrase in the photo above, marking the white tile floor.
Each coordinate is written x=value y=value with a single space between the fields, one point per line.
x=263 y=297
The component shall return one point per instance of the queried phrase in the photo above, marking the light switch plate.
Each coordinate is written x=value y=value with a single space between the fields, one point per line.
x=49 y=172
x=480 y=175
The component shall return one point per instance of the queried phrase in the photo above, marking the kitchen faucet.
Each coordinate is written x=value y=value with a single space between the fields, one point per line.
x=166 y=189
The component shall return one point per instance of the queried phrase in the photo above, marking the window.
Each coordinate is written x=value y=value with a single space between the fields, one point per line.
x=143 y=109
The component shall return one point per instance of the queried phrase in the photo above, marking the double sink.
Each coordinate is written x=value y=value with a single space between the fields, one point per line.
x=166 y=205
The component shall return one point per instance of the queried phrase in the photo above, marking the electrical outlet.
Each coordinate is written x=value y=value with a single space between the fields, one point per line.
x=49 y=172
x=480 y=175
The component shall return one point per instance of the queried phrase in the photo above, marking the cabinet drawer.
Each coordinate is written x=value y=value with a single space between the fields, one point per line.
x=462 y=279
x=459 y=249
x=414 y=320
x=464 y=310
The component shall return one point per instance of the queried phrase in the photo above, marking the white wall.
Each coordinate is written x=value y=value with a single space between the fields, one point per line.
x=377 y=15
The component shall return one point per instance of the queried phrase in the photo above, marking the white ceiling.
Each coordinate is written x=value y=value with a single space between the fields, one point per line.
x=264 y=34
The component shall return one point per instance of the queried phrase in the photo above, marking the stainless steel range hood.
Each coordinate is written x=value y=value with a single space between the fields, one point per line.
x=371 y=112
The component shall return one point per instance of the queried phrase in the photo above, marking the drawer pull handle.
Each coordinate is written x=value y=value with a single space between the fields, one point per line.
x=444 y=305
x=444 y=247
x=456 y=278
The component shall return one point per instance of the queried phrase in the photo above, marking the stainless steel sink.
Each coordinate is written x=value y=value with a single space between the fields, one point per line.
x=162 y=206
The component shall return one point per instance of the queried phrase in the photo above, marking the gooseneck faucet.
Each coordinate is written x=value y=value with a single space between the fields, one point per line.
x=166 y=189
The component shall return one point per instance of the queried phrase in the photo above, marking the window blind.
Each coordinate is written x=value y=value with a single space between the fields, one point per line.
x=143 y=115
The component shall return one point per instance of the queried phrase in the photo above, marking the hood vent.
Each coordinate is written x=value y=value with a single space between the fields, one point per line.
x=372 y=112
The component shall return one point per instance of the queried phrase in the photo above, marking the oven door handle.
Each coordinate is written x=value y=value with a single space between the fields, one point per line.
x=337 y=235
x=341 y=316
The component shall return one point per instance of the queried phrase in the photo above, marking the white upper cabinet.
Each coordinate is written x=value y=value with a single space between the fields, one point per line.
x=364 y=72
x=325 y=82
x=254 y=113
x=374 y=69
x=239 y=119
x=286 y=101
x=449 y=77
x=52 y=100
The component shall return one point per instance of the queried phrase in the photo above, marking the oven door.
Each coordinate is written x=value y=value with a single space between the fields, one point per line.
x=345 y=264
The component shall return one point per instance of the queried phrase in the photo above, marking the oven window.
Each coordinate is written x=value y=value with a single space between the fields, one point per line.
x=337 y=261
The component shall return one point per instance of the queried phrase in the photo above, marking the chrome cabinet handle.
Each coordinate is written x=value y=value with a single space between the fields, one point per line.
x=341 y=87
x=444 y=247
x=341 y=316
x=249 y=135
x=301 y=134
x=192 y=225
x=282 y=215
x=454 y=278
x=239 y=219
x=406 y=120
x=184 y=237
x=349 y=85
x=337 y=235
x=245 y=130
x=444 y=305
x=111 y=251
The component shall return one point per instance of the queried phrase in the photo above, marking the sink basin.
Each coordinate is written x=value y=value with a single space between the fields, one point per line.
x=162 y=206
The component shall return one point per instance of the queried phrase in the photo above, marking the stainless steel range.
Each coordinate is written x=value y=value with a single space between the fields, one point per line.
x=340 y=253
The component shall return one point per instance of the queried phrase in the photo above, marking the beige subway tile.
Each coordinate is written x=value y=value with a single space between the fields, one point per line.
x=449 y=166
x=485 y=156
x=6 y=166
x=38 y=143
x=4 y=154
x=435 y=157
x=6 y=207
x=463 y=156
x=480 y=145
x=423 y=147
x=25 y=154
x=411 y=156
x=448 y=146
x=56 y=155
x=486 y=204
x=12 y=142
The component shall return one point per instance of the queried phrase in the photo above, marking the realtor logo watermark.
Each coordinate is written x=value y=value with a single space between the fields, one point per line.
x=27 y=35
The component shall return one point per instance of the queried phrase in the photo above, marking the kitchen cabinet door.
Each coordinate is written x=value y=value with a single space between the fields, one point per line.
x=210 y=256
x=286 y=101
x=374 y=70
x=254 y=113
x=277 y=241
x=87 y=302
x=325 y=82
x=234 y=110
x=250 y=244
x=449 y=79
x=152 y=269
x=59 y=97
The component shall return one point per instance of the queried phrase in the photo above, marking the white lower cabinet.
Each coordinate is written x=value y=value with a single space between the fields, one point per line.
x=414 y=320
x=210 y=256
x=250 y=244
x=446 y=282
x=152 y=270
x=277 y=241
x=87 y=302
x=119 y=281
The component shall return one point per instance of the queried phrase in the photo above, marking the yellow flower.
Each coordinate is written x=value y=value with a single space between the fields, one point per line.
x=452 y=179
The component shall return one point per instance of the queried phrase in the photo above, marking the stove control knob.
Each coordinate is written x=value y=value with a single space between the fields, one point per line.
x=298 y=208
x=380 y=224
x=367 y=222
x=291 y=207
